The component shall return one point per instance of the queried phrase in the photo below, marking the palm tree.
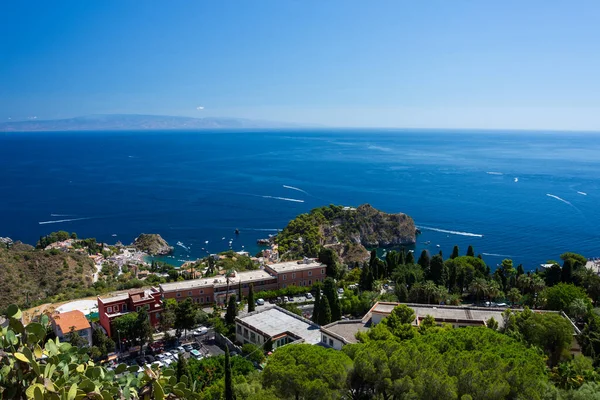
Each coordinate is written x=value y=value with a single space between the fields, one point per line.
x=430 y=289
x=493 y=290
x=478 y=288
x=514 y=295
x=441 y=294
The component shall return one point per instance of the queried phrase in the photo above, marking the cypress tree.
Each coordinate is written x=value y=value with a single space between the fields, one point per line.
x=240 y=290
x=401 y=257
x=567 y=271
x=520 y=270
x=228 y=377
x=330 y=292
x=410 y=258
x=317 y=306
x=424 y=260
x=251 y=304
x=366 y=278
x=231 y=311
x=470 y=251
x=441 y=255
x=182 y=368
x=454 y=252
x=401 y=292
x=436 y=270
x=373 y=264
x=324 y=312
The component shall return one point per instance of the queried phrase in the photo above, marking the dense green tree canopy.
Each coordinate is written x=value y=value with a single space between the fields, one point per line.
x=305 y=371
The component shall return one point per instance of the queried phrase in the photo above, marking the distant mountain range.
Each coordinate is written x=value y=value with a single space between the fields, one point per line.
x=137 y=122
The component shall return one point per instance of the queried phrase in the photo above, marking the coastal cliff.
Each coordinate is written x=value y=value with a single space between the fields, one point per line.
x=153 y=244
x=348 y=231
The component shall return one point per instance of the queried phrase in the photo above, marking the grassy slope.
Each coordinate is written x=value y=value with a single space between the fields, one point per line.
x=41 y=273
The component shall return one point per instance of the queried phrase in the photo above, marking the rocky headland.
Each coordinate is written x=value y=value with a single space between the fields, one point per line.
x=152 y=244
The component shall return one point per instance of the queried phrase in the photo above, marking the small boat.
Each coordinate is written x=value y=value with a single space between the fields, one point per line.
x=223 y=238
x=206 y=242
x=427 y=242
x=114 y=234
x=437 y=245
x=237 y=231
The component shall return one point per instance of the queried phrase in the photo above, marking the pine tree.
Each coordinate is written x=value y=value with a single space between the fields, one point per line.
x=317 y=306
x=470 y=251
x=231 y=311
x=324 y=312
x=228 y=377
x=454 y=252
x=251 y=304
x=567 y=271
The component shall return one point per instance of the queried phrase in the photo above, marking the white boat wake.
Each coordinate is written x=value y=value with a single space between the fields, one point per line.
x=494 y=173
x=295 y=188
x=496 y=255
x=63 y=220
x=559 y=199
x=582 y=193
x=450 y=232
x=283 y=198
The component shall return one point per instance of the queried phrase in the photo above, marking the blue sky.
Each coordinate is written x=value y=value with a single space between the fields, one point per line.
x=471 y=64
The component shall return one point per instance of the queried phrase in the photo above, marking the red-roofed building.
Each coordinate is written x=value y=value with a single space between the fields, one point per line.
x=114 y=307
x=62 y=324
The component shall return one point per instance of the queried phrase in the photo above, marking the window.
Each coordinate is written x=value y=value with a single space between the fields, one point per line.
x=116 y=308
x=309 y=273
x=284 y=276
x=239 y=329
x=208 y=299
x=293 y=275
x=178 y=294
x=331 y=342
x=324 y=339
x=201 y=291
x=124 y=308
x=245 y=332
x=309 y=282
x=137 y=308
x=109 y=310
x=190 y=293
x=252 y=337
x=322 y=271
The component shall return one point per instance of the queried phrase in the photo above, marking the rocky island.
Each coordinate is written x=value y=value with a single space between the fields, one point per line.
x=347 y=230
x=152 y=244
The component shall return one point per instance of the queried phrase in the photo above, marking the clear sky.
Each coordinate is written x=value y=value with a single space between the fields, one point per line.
x=448 y=63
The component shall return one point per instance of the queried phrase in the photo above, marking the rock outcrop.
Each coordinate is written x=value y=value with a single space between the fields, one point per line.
x=153 y=244
x=349 y=231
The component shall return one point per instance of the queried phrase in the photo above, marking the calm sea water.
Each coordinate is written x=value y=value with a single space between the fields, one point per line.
x=528 y=196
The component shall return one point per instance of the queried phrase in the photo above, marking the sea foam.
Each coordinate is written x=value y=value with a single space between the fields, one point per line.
x=294 y=188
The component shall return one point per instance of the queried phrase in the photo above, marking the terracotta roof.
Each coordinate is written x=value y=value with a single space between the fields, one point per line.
x=70 y=319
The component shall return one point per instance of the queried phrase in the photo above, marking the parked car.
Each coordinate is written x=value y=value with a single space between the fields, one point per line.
x=202 y=330
x=341 y=290
x=196 y=345
x=260 y=302
x=168 y=355
x=290 y=298
x=180 y=349
x=188 y=347
x=196 y=354
x=149 y=359
x=309 y=295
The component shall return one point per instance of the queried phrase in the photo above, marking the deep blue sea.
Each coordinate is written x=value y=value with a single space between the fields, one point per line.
x=524 y=195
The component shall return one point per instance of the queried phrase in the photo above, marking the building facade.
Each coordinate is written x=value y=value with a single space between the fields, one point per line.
x=297 y=273
x=117 y=306
x=62 y=324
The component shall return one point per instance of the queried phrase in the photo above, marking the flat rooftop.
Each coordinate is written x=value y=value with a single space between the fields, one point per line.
x=274 y=321
x=291 y=266
x=346 y=330
x=218 y=280
x=443 y=313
